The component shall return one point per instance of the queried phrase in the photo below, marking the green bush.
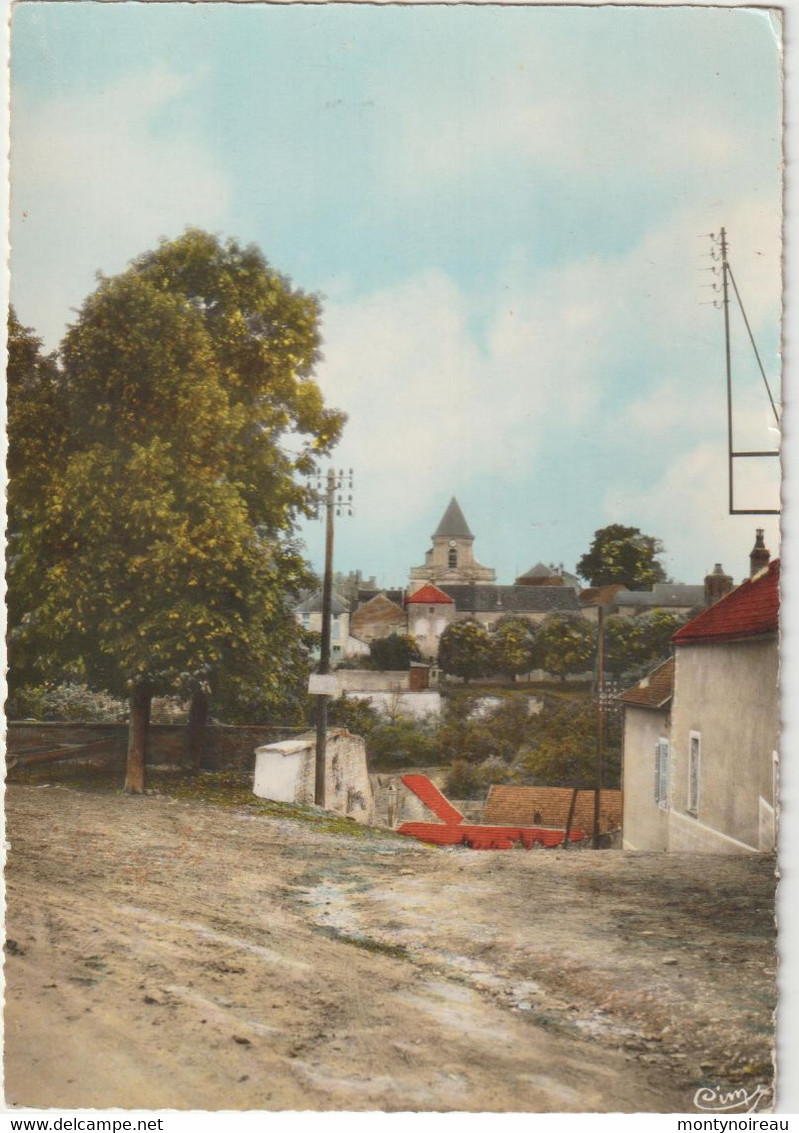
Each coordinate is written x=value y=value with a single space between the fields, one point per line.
x=67 y=701
x=403 y=743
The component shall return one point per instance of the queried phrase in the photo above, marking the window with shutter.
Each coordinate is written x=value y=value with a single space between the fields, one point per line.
x=694 y=759
x=663 y=772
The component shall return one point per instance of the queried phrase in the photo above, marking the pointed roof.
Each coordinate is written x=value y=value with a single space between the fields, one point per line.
x=313 y=603
x=540 y=571
x=453 y=525
x=751 y=610
x=429 y=595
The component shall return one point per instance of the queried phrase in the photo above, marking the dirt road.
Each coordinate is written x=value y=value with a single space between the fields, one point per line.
x=167 y=954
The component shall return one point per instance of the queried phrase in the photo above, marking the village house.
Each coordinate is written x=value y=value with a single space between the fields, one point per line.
x=704 y=727
x=342 y=644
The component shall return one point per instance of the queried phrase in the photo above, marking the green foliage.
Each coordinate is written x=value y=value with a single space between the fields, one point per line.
x=513 y=641
x=394 y=652
x=635 y=645
x=620 y=554
x=565 y=644
x=465 y=650
x=563 y=748
x=403 y=742
x=473 y=780
x=66 y=701
x=472 y=733
x=506 y=744
x=356 y=715
x=157 y=545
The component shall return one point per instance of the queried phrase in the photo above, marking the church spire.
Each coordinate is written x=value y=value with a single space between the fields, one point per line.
x=453 y=525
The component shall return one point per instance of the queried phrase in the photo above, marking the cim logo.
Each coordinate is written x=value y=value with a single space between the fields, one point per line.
x=714 y=1099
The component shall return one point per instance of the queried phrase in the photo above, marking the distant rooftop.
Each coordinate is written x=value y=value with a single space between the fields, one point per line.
x=663 y=594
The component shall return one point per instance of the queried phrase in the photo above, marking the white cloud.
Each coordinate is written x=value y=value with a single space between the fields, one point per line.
x=688 y=509
x=97 y=179
x=616 y=349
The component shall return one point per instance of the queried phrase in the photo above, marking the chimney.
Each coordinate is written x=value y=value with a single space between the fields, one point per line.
x=717 y=585
x=759 y=555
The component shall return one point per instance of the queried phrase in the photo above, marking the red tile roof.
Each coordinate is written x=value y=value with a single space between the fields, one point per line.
x=429 y=595
x=510 y=806
x=751 y=610
x=655 y=690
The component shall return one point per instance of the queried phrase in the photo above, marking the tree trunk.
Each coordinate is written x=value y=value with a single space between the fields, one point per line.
x=195 y=729
x=140 y=702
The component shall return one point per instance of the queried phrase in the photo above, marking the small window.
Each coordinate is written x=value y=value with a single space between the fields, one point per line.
x=431 y=609
x=662 y=772
x=452 y=558
x=694 y=767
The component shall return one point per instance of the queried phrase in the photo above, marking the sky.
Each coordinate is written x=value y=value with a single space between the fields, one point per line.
x=506 y=213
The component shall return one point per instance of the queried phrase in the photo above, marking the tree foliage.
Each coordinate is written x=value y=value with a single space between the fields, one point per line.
x=396 y=651
x=639 y=643
x=159 y=554
x=563 y=751
x=513 y=642
x=624 y=555
x=565 y=645
x=465 y=650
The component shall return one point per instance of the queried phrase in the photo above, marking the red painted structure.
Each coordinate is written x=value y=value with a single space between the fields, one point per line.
x=456 y=832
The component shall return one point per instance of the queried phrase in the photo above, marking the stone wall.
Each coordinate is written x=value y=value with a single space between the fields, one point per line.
x=225 y=746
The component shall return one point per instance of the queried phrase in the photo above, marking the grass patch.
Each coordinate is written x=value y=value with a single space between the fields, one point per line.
x=229 y=788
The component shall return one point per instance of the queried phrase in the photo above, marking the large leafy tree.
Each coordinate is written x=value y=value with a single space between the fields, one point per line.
x=163 y=542
x=513 y=640
x=565 y=645
x=464 y=650
x=623 y=555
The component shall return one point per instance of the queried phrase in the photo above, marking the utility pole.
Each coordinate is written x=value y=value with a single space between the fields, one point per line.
x=600 y=734
x=726 y=305
x=333 y=501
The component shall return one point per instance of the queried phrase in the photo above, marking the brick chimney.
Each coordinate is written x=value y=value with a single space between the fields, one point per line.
x=759 y=556
x=717 y=584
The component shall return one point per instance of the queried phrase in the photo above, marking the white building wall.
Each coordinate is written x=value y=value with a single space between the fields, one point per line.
x=645 y=824
x=728 y=696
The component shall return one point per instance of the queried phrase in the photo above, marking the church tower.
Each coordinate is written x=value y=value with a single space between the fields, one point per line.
x=451 y=558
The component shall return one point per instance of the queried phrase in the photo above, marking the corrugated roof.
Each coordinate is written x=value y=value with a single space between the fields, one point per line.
x=428 y=596
x=453 y=525
x=518 y=806
x=655 y=690
x=751 y=610
x=485 y=598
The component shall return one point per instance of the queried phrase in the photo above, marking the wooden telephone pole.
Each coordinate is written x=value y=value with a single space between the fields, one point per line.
x=333 y=501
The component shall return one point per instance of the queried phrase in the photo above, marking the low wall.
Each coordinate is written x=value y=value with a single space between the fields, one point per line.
x=225 y=746
x=372 y=680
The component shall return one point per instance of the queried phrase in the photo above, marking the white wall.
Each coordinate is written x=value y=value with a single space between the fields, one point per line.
x=644 y=822
x=286 y=772
x=728 y=694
